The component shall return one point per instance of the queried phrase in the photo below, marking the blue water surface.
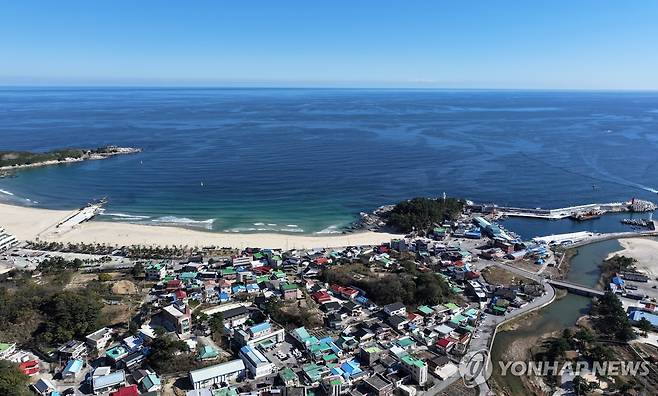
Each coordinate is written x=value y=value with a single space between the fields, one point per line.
x=309 y=160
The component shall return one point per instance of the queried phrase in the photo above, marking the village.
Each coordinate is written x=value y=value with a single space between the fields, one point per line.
x=298 y=322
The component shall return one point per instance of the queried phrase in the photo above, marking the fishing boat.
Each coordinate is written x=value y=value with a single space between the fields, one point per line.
x=589 y=215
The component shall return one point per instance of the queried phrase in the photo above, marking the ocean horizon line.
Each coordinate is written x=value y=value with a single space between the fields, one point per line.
x=9 y=87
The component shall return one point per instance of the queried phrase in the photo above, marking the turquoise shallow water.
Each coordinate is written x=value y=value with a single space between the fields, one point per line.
x=309 y=160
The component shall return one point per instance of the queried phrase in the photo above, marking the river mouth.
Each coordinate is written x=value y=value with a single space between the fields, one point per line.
x=526 y=331
x=515 y=343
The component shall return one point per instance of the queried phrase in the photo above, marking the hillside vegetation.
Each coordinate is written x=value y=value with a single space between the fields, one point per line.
x=421 y=213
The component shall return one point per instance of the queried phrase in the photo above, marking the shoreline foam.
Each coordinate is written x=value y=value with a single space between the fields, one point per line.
x=26 y=223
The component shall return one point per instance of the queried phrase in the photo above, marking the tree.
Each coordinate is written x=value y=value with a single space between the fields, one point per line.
x=71 y=315
x=12 y=381
x=421 y=213
x=216 y=324
x=138 y=269
x=600 y=353
x=163 y=353
x=104 y=277
x=645 y=325
x=584 y=335
x=580 y=385
x=557 y=348
x=612 y=320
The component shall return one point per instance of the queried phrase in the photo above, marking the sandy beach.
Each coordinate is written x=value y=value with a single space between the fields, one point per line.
x=644 y=250
x=28 y=223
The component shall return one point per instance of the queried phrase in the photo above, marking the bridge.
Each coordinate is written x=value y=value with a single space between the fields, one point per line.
x=576 y=288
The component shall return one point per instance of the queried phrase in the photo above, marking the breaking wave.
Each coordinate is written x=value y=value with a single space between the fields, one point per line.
x=126 y=217
x=185 y=222
x=333 y=229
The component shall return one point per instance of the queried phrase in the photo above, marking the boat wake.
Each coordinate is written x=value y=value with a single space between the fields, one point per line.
x=605 y=176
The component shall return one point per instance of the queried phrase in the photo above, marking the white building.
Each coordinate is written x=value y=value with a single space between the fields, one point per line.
x=98 y=339
x=396 y=308
x=416 y=367
x=263 y=334
x=7 y=240
x=108 y=382
x=224 y=372
x=155 y=271
x=256 y=362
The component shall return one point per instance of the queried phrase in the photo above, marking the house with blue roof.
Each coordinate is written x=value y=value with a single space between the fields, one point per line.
x=151 y=383
x=256 y=362
x=224 y=297
x=239 y=289
x=636 y=316
x=351 y=369
x=72 y=369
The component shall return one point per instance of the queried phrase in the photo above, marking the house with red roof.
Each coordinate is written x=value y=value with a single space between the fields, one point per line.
x=383 y=249
x=445 y=344
x=130 y=390
x=414 y=318
x=31 y=367
x=262 y=270
x=321 y=260
x=180 y=294
x=321 y=297
x=174 y=285
x=349 y=293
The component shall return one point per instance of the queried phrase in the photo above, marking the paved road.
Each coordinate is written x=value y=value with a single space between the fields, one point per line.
x=489 y=325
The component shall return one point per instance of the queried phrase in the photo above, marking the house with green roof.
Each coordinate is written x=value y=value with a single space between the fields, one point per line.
x=458 y=319
x=225 y=392
x=416 y=367
x=6 y=350
x=187 y=277
x=228 y=272
x=405 y=342
x=472 y=313
x=151 y=383
x=425 y=310
x=314 y=372
x=301 y=335
x=207 y=353
x=155 y=271
x=288 y=291
x=289 y=377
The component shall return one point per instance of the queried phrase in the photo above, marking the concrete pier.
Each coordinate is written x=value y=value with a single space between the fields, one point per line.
x=559 y=213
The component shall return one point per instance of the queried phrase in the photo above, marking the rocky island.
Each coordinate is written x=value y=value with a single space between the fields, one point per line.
x=12 y=160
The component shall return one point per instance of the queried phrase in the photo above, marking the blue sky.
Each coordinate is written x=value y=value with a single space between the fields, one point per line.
x=553 y=44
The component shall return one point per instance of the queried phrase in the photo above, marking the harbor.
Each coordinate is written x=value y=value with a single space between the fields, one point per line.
x=580 y=212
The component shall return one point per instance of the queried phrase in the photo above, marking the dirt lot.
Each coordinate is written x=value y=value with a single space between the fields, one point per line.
x=81 y=280
x=124 y=287
x=117 y=314
x=499 y=276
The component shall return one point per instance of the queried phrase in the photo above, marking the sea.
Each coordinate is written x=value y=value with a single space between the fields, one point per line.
x=309 y=160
